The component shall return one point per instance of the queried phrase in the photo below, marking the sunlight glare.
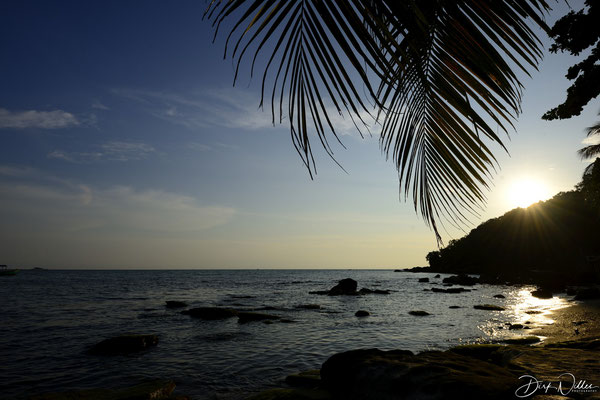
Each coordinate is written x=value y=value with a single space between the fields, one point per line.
x=525 y=192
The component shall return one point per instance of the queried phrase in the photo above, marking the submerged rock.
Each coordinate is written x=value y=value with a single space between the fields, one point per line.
x=419 y=313
x=373 y=374
x=211 y=313
x=455 y=307
x=309 y=306
x=499 y=296
x=438 y=276
x=490 y=307
x=515 y=326
x=424 y=280
x=124 y=344
x=151 y=390
x=244 y=317
x=523 y=340
x=175 y=304
x=362 y=313
x=373 y=291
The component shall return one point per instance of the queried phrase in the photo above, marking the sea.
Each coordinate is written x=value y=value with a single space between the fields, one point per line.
x=50 y=318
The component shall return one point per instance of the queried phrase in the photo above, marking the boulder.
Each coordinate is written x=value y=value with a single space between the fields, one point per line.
x=344 y=287
x=515 y=326
x=438 y=276
x=424 y=280
x=373 y=374
x=490 y=307
x=124 y=344
x=175 y=304
x=419 y=313
x=244 y=317
x=462 y=279
x=211 y=313
x=150 y=390
x=542 y=294
x=362 y=313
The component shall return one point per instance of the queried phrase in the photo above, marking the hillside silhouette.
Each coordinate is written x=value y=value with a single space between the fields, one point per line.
x=554 y=242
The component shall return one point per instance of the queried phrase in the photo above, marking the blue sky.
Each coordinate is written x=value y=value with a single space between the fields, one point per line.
x=124 y=145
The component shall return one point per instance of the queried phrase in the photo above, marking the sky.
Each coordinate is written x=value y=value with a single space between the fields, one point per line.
x=123 y=144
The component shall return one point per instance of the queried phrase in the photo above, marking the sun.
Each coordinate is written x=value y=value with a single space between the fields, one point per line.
x=524 y=192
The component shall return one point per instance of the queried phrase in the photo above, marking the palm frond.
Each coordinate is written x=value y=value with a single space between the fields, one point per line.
x=439 y=72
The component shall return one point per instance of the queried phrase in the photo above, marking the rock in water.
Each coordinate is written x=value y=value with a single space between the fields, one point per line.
x=211 y=313
x=489 y=307
x=419 y=313
x=373 y=374
x=423 y=280
x=499 y=296
x=344 y=287
x=175 y=304
x=542 y=294
x=373 y=291
x=362 y=313
x=245 y=317
x=124 y=344
x=462 y=279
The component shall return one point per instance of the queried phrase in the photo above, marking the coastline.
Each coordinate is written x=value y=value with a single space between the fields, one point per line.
x=565 y=364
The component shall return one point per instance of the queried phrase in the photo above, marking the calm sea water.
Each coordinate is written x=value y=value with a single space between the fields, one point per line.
x=50 y=318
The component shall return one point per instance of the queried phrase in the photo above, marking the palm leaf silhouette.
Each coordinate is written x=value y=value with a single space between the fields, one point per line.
x=438 y=76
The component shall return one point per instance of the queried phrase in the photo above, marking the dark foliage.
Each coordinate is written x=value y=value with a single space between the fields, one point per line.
x=550 y=238
x=574 y=33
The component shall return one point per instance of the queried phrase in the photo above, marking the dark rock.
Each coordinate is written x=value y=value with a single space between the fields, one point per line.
x=423 y=279
x=362 y=313
x=305 y=379
x=462 y=279
x=455 y=307
x=499 y=296
x=211 y=313
x=419 y=313
x=532 y=312
x=374 y=374
x=287 y=321
x=124 y=344
x=523 y=340
x=418 y=269
x=542 y=294
x=344 y=287
x=515 y=326
x=373 y=291
x=244 y=317
x=438 y=276
x=309 y=306
x=571 y=291
x=490 y=307
x=175 y=304
x=151 y=390
x=577 y=323
x=426 y=290
x=451 y=290
x=588 y=294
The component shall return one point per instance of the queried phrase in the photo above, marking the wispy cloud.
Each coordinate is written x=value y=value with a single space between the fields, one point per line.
x=591 y=140
x=36 y=119
x=117 y=210
x=110 y=151
x=229 y=108
x=99 y=106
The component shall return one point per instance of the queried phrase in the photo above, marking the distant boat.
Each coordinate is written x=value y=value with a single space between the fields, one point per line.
x=4 y=271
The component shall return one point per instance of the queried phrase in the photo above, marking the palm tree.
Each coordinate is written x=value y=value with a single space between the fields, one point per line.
x=437 y=75
x=591 y=150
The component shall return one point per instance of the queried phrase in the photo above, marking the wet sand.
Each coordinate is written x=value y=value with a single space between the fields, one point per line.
x=580 y=320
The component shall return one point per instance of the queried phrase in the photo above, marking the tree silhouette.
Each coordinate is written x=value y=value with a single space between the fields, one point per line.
x=575 y=32
x=438 y=75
